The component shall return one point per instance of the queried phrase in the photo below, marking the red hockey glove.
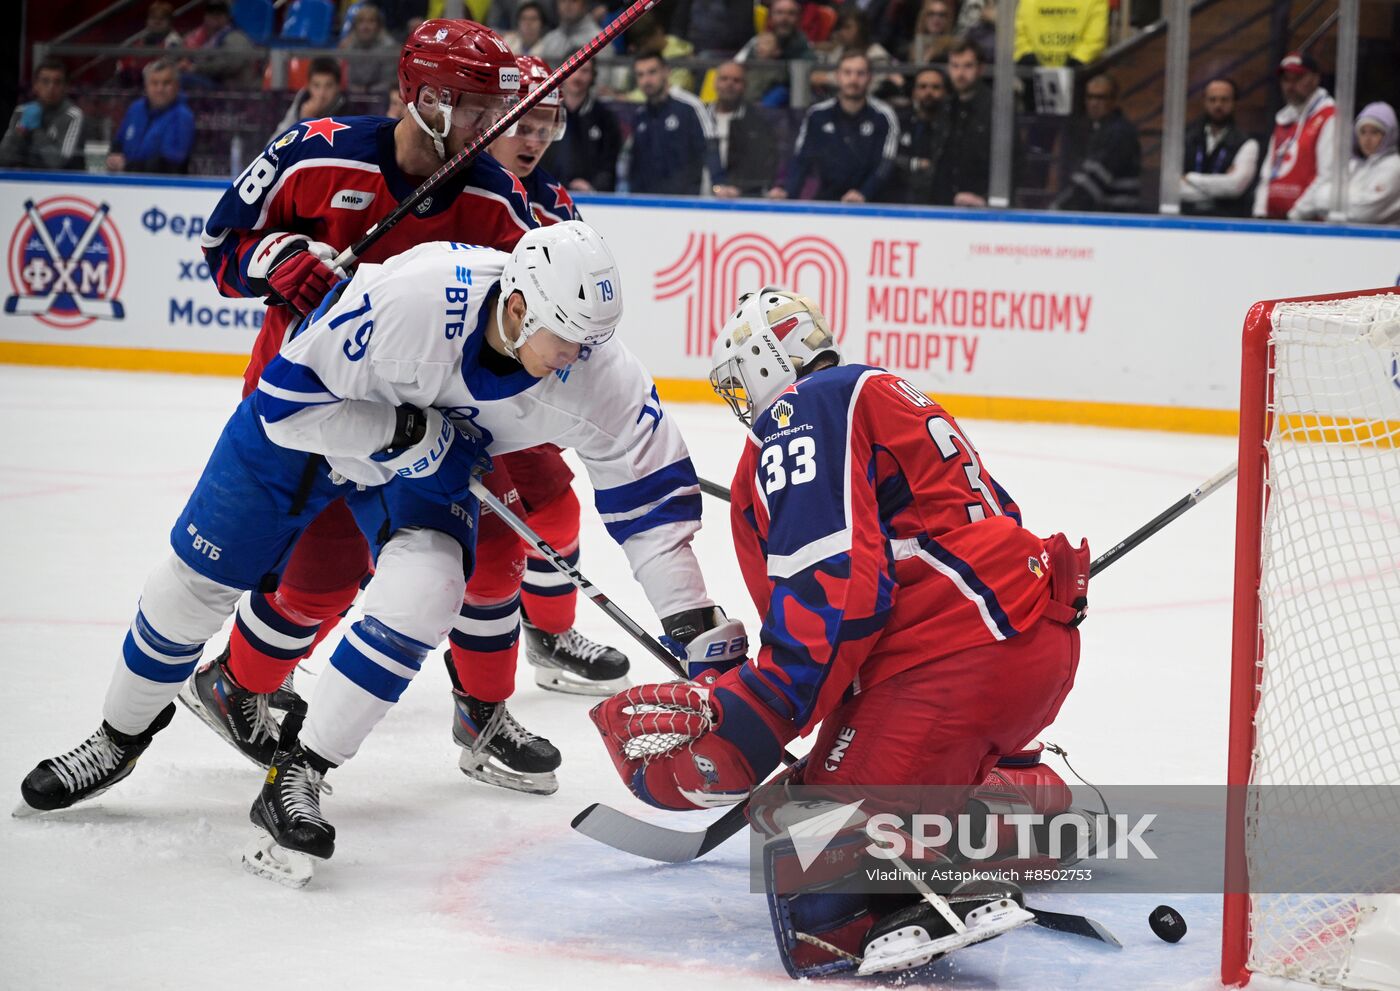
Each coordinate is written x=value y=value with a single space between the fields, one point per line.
x=678 y=746
x=295 y=270
x=1069 y=580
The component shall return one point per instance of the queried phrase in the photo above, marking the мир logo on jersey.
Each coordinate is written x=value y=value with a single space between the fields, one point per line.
x=66 y=263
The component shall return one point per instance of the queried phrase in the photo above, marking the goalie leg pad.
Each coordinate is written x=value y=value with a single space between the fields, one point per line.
x=818 y=932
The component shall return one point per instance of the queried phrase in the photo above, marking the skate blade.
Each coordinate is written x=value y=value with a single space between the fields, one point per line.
x=25 y=811
x=189 y=698
x=266 y=858
x=482 y=769
x=553 y=679
x=903 y=949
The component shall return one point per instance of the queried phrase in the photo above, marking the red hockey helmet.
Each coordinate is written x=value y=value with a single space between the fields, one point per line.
x=546 y=120
x=462 y=66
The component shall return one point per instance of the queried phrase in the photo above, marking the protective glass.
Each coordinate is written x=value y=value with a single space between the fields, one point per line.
x=542 y=123
x=472 y=112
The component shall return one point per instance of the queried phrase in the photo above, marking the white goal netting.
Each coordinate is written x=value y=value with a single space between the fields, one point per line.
x=1328 y=714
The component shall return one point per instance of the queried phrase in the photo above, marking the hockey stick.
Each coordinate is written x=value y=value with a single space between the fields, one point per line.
x=1075 y=925
x=527 y=534
x=524 y=531
x=622 y=832
x=1162 y=519
x=715 y=489
x=463 y=158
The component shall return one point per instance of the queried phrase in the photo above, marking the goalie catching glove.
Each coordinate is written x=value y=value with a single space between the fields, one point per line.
x=681 y=746
x=295 y=270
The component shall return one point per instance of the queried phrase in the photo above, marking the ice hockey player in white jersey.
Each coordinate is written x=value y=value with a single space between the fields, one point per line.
x=390 y=394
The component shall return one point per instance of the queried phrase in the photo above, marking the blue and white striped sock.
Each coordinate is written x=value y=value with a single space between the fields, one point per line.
x=152 y=670
x=368 y=672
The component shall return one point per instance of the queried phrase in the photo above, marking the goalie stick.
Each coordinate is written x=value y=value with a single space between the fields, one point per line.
x=676 y=846
x=463 y=158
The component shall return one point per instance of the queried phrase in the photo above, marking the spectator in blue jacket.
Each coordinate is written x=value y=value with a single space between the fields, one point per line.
x=850 y=142
x=673 y=137
x=157 y=133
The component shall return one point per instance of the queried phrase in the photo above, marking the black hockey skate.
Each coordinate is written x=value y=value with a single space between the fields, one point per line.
x=573 y=664
x=289 y=810
x=495 y=748
x=88 y=769
x=921 y=933
x=243 y=719
x=499 y=751
x=569 y=662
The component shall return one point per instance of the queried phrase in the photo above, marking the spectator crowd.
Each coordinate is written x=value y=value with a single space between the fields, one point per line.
x=890 y=103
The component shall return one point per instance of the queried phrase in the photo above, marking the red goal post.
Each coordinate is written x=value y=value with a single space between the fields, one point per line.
x=1316 y=617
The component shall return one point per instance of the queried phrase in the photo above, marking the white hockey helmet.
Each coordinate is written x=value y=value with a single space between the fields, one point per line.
x=570 y=283
x=765 y=347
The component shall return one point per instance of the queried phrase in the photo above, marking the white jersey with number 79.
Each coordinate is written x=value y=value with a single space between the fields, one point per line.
x=412 y=331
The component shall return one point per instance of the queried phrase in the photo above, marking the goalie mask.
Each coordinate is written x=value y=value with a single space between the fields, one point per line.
x=570 y=283
x=462 y=68
x=768 y=344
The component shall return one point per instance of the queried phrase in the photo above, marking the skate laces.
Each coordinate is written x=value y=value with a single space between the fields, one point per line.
x=87 y=763
x=580 y=646
x=501 y=721
x=259 y=716
x=301 y=793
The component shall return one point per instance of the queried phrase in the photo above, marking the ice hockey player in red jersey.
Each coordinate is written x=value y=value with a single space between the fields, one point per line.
x=513 y=585
x=906 y=611
x=312 y=192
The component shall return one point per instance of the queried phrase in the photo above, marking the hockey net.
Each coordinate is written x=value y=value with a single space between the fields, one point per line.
x=1315 y=697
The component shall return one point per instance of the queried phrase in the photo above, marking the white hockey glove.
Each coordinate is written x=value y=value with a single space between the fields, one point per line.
x=706 y=641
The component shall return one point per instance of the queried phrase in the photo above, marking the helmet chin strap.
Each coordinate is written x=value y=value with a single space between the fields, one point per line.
x=526 y=328
x=446 y=126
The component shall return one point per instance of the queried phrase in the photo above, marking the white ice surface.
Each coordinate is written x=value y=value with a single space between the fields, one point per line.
x=439 y=881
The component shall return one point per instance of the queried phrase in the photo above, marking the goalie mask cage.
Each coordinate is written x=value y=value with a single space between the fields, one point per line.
x=1315 y=678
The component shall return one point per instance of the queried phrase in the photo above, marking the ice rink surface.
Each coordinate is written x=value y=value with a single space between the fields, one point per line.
x=442 y=882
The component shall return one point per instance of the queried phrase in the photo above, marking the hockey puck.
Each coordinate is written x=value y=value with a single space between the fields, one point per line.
x=1167 y=923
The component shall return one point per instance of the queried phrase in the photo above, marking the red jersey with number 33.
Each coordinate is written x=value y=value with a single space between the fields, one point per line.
x=872 y=539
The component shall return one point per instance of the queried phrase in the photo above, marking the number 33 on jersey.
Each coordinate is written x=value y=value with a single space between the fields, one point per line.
x=853 y=483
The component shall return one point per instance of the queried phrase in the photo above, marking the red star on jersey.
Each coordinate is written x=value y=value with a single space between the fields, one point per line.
x=325 y=127
x=518 y=188
x=563 y=202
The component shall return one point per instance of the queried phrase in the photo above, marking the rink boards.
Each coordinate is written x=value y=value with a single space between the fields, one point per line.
x=1121 y=321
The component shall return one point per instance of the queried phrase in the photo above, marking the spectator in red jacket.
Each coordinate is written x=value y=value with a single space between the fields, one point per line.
x=1300 y=149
